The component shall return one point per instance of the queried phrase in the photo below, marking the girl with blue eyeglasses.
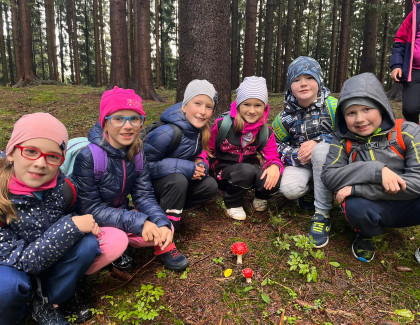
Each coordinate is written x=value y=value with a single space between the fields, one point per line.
x=127 y=173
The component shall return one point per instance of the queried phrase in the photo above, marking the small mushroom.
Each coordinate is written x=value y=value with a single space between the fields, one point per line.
x=247 y=274
x=239 y=249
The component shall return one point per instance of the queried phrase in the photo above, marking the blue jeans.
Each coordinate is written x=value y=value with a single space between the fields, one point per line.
x=58 y=282
x=368 y=217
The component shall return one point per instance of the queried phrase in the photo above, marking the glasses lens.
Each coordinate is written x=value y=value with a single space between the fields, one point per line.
x=117 y=120
x=30 y=153
x=136 y=120
x=54 y=160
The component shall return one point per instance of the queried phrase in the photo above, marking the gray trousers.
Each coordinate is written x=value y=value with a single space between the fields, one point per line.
x=294 y=181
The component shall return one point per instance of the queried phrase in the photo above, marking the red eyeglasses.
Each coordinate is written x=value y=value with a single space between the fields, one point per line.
x=34 y=154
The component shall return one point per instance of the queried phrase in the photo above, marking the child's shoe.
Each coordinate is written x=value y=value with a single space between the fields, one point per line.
x=45 y=314
x=174 y=260
x=417 y=254
x=306 y=202
x=259 y=204
x=123 y=263
x=236 y=213
x=79 y=306
x=363 y=248
x=320 y=228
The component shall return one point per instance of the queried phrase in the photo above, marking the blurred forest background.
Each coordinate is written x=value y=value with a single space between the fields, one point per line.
x=144 y=45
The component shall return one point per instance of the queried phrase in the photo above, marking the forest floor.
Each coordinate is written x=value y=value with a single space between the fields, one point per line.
x=347 y=291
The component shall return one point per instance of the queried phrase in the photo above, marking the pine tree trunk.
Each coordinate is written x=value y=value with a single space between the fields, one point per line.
x=344 y=45
x=259 y=41
x=75 y=44
x=87 y=35
x=384 y=49
x=97 y=44
x=104 y=66
x=144 y=69
x=61 y=39
x=289 y=40
x=333 y=52
x=119 y=48
x=69 y=14
x=37 y=27
x=206 y=34
x=298 y=28
x=51 y=42
x=318 y=34
x=279 y=46
x=16 y=38
x=370 y=34
x=162 y=49
x=9 y=46
x=250 y=33
x=3 y=50
x=157 y=43
x=234 y=75
x=268 y=43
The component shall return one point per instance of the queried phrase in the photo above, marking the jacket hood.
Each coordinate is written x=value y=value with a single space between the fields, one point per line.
x=175 y=116
x=364 y=85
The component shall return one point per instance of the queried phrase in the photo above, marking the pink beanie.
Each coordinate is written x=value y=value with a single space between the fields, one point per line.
x=38 y=125
x=118 y=99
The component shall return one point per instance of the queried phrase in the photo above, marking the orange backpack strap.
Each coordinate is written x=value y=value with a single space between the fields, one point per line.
x=398 y=136
x=348 y=150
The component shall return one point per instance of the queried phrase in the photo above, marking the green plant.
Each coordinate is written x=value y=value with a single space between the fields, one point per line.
x=301 y=258
x=162 y=274
x=218 y=260
x=184 y=274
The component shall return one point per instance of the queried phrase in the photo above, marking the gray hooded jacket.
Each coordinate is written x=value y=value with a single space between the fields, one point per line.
x=364 y=174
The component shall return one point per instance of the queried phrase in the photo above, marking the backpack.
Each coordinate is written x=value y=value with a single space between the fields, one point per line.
x=100 y=157
x=226 y=125
x=175 y=140
x=283 y=136
x=394 y=138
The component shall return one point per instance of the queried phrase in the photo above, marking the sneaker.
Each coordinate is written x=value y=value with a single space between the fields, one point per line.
x=306 y=202
x=174 y=260
x=45 y=314
x=363 y=248
x=123 y=263
x=259 y=205
x=236 y=213
x=79 y=306
x=320 y=228
x=417 y=254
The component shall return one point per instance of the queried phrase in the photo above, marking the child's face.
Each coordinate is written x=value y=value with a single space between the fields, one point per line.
x=362 y=120
x=305 y=89
x=35 y=173
x=198 y=110
x=122 y=136
x=252 y=110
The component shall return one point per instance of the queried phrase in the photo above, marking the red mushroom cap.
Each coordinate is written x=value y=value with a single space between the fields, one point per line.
x=247 y=273
x=239 y=248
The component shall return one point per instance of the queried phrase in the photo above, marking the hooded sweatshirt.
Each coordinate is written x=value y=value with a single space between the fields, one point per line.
x=364 y=174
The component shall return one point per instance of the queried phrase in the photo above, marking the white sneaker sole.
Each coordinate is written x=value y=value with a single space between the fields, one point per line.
x=239 y=218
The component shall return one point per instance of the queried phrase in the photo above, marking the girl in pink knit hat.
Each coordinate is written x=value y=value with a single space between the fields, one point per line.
x=39 y=239
x=106 y=197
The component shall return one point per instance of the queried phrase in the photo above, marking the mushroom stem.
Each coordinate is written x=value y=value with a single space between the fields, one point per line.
x=248 y=280
x=239 y=259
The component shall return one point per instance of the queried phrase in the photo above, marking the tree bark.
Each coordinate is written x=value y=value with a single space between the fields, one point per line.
x=61 y=39
x=87 y=51
x=289 y=40
x=370 y=34
x=70 y=32
x=16 y=38
x=279 y=48
x=51 y=42
x=144 y=73
x=344 y=45
x=234 y=75
x=333 y=52
x=97 y=44
x=205 y=35
x=119 y=49
x=384 y=49
x=9 y=47
x=3 y=50
x=268 y=43
x=318 y=33
x=75 y=44
x=104 y=65
x=259 y=38
x=250 y=33
x=157 y=72
x=298 y=28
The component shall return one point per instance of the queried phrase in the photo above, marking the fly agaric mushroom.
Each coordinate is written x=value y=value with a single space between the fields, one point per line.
x=239 y=249
x=247 y=274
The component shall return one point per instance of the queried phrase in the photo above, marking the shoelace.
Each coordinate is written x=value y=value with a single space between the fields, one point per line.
x=318 y=226
x=174 y=252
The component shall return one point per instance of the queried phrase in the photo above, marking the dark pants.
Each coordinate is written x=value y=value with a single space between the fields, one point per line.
x=175 y=193
x=237 y=179
x=411 y=97
x=58 y=282
x=369 y=217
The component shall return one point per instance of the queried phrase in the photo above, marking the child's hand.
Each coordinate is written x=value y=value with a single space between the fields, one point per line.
x=343 y=193
x=391 y=182
x=96 y=230
x=200 y=172
x=85 y=223
x=305 y=151
x=151 y=233
x=273 y=174
x=166 y=235
x=395 y=74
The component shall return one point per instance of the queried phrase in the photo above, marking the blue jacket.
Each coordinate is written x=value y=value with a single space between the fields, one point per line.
x=107 y=199
x=41 y=234
x=181 y=160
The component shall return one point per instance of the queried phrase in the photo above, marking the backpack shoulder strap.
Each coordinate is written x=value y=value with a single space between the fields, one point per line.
x=331 y=103
x=396 y=135
x=69 y=193
x=176 y=140
x=100 y=160
x=223 y=130
x=349 y=147
x=279 y=130
x=138 y=162
x=263 y=134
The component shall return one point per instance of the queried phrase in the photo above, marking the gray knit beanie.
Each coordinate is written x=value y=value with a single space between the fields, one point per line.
x=252 y=87
x=200 y=87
